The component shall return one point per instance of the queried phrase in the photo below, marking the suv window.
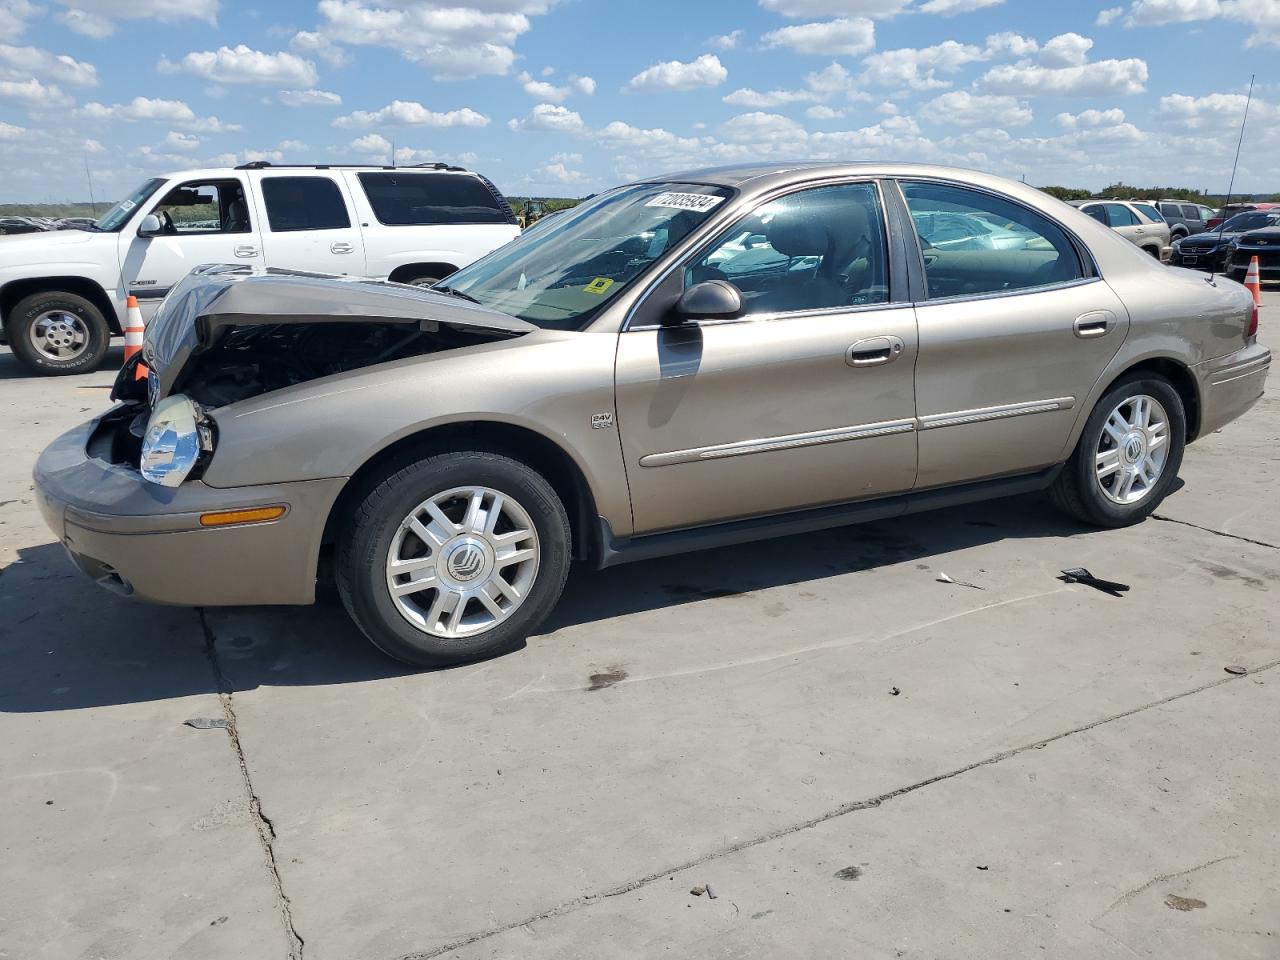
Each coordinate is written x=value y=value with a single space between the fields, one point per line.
x=204 y=206
x=1095 y=210
x=1020 y=248
x=304 y=203
x=1120 y=215
x=403 y=199
x=1150 y=212
x=811 y=250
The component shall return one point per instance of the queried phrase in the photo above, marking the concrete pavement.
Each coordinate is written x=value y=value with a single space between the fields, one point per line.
x=1059 y=773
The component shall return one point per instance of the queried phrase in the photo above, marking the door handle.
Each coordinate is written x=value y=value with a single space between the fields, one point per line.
x=246 y=250
x=1096 y=324
x=874 y=351
x=341 y=246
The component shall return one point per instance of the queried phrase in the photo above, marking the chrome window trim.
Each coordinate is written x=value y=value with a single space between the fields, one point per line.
x=737 y=213
x=1020 y=291
x=885 y=428
x=779 y=315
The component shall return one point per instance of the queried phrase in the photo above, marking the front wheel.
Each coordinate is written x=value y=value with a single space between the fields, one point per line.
x=1128 y=455
x=456 y=557
x=56 y=333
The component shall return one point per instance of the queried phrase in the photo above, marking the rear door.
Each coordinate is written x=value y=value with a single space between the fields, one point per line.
x=1011 y=341
x=1125 y=222
x=308 y=223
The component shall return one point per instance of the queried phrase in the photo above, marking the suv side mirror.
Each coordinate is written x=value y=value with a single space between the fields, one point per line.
x=709 y=299
x=150 y=226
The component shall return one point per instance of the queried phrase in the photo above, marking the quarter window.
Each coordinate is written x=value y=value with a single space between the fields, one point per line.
x=1096 y=212
x=210 y=206
x=403 y=199
x=304 y=203
x=812 y=250
x=975 y=243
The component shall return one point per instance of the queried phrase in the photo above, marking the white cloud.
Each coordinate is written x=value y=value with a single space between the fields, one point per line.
x=1217 y=112
x=241 y=64
x=1099 y=78
x=963 y=109
x=32 y=93
x=174 y=112
x=1109 y=16
x=759 y=127
x=918 y=68
x=1065 y=50
x=836 y=8
x=842 y=37
x=19 y=63
x=310 y=43
x=96 y=18
x=566 y=158
x=1088 y=119
x=548 y=116
x=1148 y=12
x=821 y=111
x=14 y=15
x=1262 y=16
x=374 y=143
x=410 y=113
x=949 y=8
x=706 y=71
x=1013 y=44
x=725 y=41
x=819 y=85
x=309 y=98
x=549 y=92
x=554 y=172
x=181 y=141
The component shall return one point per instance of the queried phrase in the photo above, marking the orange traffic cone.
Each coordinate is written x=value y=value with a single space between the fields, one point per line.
x=133 y=335
x=1253 y=282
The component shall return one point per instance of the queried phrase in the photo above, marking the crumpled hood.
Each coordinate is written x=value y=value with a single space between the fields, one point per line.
x=215 y=298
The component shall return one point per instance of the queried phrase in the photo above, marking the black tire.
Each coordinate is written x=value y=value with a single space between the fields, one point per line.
x=1077 y=490
x=1154 y=251
x=426 y=280
x=23 y=316
x=387 y=500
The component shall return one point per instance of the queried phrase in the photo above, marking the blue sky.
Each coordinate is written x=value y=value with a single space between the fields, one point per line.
x=566 y=97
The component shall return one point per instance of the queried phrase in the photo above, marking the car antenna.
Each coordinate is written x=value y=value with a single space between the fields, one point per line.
x=1239 y=143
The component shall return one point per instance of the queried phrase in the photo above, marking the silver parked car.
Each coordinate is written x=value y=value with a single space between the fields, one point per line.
x=706 y=359
x=1139 y=223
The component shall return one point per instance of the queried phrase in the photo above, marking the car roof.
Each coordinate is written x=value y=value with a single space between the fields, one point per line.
x=222 y=173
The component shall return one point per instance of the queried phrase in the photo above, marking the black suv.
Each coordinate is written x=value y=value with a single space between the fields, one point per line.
x=1211 y=250
x=1184 y=218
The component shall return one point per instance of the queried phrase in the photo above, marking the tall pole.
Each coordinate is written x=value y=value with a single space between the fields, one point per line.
x=92 y=203
x=1231 y=185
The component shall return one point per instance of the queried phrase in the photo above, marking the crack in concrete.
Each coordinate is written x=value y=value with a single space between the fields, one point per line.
x=1216 y=533
x=262 y=823
x=578 y=903
x=1163 y=878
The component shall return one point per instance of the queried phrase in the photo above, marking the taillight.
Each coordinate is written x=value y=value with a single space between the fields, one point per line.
x=1253 y=323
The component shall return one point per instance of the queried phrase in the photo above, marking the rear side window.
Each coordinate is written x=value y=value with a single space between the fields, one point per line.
x=405 y=199
x=1096 y=212
x=304 y=203
x=975 y=243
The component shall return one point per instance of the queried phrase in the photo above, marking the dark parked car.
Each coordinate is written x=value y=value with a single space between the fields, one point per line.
x=1231 y=209
x=1263 y=244
x=11 y=225
x=1184 y=219
x=1211 y=249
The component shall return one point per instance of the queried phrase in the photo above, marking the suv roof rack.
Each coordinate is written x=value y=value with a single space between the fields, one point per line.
x=267 y=165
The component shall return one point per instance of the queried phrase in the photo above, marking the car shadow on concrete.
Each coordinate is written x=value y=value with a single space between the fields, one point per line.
x=11 y=368
x=68 y=644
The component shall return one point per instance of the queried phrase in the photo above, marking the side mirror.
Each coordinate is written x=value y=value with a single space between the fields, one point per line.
x=707 y=300
x=150 y=226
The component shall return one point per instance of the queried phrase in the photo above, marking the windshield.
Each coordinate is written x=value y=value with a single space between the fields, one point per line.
x=561 y=273
x=1247 y=221
x=119 y=215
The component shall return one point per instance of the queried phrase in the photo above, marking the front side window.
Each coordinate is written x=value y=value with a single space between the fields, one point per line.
x=208 y=206
x=407 y=199
x=1021 y=248
x=811 y=250
x=304 y=203
x=560 y=274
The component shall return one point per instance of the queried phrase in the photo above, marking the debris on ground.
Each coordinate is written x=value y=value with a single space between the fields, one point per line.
x=848 y=873
x=894 y=691
x=1236 y=670
x=1081 y=575
x=698 y=891
x=984 y=867
x=711 y=894
x=1175 y=902
x=943 y=578
x=206 y=723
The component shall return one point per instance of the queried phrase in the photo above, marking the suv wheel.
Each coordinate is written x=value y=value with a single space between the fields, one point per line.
x=58 y=333
x=456 y=557
x=423 y=281
x=1127 y=457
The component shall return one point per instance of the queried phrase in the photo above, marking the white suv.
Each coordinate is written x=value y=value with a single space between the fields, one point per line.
x=62 y=293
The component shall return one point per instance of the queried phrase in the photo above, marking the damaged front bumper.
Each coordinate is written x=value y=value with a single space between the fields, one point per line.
x=147 y=541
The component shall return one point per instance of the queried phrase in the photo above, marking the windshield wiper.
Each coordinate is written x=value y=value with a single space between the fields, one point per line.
x=455 y=293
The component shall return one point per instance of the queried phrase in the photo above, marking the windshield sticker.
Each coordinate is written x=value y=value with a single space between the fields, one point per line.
x=698 y=202
x=127 y=205
x=598 y=286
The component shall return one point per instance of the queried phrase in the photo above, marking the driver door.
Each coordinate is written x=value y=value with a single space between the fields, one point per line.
x=202 y=221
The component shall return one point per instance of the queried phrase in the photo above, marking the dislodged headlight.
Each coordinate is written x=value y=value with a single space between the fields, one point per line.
x=176 y=435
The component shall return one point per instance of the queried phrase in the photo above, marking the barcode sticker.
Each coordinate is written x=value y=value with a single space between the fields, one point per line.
x=698 y=202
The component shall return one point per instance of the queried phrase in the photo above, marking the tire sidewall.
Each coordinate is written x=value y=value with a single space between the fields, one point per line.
x=20 y=320
x=1084 y=468
x=369 y=537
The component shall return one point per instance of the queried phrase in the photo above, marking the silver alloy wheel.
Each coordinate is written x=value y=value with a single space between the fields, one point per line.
x=59 y=335
x=462 y=562
x=1133 y=449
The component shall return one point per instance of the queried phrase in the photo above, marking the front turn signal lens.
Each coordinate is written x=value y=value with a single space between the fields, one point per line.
x=226 y=518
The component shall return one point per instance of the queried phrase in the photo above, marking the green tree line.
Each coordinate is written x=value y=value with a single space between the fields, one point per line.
x=1125 y=191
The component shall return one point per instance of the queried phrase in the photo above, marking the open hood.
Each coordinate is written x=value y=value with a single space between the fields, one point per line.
x=215 y=299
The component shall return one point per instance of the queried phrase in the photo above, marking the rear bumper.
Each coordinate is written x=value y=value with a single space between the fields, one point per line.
x=1230 y=385
x=146 y=541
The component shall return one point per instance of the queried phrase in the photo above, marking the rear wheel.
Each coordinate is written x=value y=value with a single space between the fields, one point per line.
x=1128 y=455
x=456 y=557
x=424 y=281
x=57 y=333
